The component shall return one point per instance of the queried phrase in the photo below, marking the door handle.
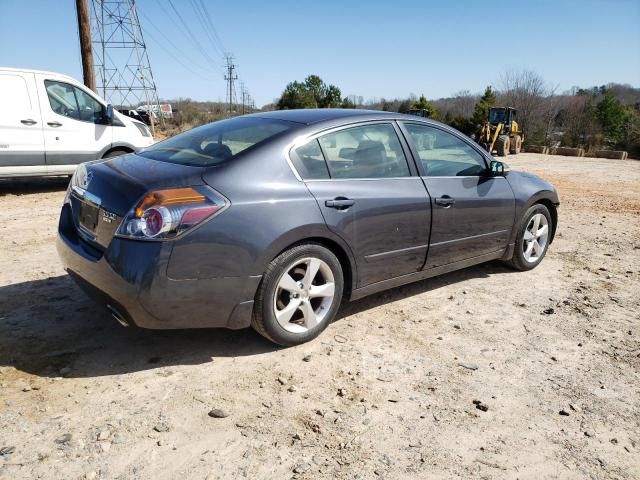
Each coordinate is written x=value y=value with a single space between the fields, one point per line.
x=340 y=203
x=28 y=121
x=445 y=201
x=54 y=124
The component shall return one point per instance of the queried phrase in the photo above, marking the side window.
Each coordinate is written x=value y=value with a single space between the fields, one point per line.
x=89 y=109
x=14 y=96
x=309 y=161
x=72 y=102
x=443 y=154
x=370 y=151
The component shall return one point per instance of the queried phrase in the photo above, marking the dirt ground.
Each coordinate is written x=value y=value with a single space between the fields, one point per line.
x=387 y=391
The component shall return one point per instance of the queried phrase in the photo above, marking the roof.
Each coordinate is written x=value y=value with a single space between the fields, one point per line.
x=316 y=115
x=31 y=70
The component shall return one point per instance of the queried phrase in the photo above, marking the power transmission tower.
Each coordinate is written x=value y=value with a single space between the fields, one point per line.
x=230 y=77
x=121 y=61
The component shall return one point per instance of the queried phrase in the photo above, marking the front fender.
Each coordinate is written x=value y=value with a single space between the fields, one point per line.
x=528 y=190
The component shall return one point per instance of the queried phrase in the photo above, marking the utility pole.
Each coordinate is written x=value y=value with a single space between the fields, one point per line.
x=86 y=52
x=230 y=77
x=243 y=92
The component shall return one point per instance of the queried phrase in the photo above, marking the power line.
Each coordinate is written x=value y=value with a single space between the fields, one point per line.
x=196 y=42
x=206 y=27
x=172 y=44
x=174 y=57
x=213 y=28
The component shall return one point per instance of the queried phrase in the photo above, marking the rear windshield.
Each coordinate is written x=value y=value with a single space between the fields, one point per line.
x=216 y=142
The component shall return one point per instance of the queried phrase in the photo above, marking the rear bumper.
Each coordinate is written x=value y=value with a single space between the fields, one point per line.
x=129 y=278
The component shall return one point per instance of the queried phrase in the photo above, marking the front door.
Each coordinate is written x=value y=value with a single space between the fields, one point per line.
x=473 y=213
x=75 y=127
x=369 y=196
x=21 y=140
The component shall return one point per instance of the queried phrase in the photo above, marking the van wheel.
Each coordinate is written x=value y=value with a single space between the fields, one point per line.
x=299 y=295
x=116 y=153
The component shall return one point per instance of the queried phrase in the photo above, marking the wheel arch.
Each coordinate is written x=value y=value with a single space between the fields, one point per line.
x=339 y=249
x=553 y=210
x=117 y=146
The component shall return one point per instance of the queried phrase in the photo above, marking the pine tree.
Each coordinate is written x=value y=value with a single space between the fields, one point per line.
x=481 y=110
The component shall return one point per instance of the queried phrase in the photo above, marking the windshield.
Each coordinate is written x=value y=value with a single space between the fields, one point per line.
x=496 y=115
x=216 y=142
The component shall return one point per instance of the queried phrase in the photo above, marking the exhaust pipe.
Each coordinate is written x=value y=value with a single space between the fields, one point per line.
x=118 y=316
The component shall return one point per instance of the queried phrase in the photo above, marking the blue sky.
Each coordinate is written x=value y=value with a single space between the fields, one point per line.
x=370 y=48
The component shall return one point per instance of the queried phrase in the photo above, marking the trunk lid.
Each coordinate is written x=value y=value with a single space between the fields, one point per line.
x=113 y=187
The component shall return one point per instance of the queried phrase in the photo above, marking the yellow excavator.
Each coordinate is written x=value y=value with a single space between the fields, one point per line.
x=500 y=132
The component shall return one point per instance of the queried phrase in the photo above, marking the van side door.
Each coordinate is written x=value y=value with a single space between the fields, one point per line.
x=21 y=137
x=76 y=129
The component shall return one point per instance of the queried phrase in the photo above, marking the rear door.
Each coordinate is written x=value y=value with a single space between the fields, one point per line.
x=75 y=125
x=369 y=195
x=21 y=137
x=473 y=213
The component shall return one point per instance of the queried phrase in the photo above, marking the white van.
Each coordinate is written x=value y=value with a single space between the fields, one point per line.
x=49 y=123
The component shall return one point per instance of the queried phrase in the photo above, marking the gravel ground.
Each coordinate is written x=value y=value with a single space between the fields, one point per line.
x=482 y=373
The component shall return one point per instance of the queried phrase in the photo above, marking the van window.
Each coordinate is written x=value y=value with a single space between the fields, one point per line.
x=216 y=142
x=72 y=102
x=14 y=95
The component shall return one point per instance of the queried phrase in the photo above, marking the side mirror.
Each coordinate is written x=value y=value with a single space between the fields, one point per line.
x=108 y=115
x=499 y=169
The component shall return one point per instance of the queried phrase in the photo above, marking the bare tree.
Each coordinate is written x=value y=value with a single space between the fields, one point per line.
x=525 y=91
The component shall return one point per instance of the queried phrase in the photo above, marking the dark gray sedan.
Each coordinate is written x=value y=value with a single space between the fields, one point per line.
x=272 y=219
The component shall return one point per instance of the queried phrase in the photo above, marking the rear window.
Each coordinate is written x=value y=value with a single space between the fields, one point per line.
x=216 y=142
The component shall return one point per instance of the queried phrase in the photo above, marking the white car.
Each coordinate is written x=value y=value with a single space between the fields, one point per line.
x=50 y=123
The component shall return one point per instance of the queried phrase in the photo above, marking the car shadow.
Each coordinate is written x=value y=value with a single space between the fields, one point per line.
x=49 y=328
x=27 y=185
x=399 y=293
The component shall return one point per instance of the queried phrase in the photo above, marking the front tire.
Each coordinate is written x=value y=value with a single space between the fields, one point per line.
x=533 y=238
x=502 y=145
x=299 y=295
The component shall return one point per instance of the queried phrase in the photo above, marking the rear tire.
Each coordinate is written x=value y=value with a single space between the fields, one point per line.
x=299 y=295
x=502 y=145
x=516 y=145
x=532 y=240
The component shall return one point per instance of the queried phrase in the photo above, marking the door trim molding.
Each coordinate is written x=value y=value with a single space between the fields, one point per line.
x=424 y=274
x=469 y=238
x=37 y=170
x=400 y=251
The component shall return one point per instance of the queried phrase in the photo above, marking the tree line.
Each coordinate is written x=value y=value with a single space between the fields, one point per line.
x=606 y=116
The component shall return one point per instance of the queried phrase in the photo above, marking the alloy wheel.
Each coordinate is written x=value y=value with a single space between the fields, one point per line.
x=304 y=295
x=536 y=235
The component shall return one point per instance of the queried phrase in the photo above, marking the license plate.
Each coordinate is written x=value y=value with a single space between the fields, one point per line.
x=88 y=217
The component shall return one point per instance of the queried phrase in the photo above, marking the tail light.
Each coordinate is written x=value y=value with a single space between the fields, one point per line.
x=165 y=214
